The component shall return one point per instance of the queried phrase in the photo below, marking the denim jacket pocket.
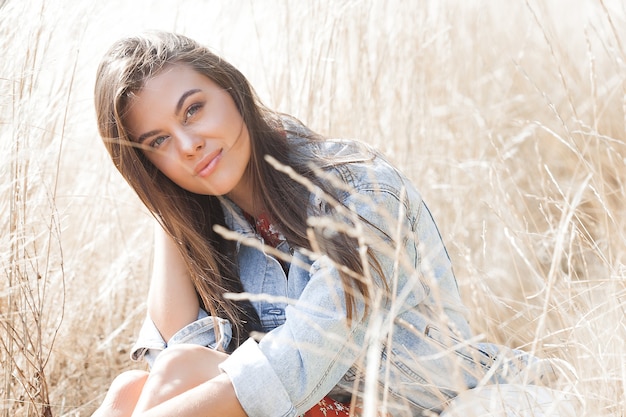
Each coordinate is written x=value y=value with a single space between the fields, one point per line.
x=471 y=355
x=201 y=332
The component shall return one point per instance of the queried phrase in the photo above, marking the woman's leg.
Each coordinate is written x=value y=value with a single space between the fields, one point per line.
x=122 y=395
x=512 y=400
x=178 y=369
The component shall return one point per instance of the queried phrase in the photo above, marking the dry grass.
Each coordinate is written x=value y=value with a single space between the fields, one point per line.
x=510 y=116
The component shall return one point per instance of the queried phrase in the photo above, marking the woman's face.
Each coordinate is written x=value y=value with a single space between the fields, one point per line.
x=192 y=131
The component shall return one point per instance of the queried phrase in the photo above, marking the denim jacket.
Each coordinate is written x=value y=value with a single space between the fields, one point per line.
x=414 y=345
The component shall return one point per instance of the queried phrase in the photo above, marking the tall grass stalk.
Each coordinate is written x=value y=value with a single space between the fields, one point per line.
x=510 y=117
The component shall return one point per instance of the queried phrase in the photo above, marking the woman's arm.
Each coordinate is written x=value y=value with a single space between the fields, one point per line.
x=172 y=299
x=295 y=365
x=213 y=398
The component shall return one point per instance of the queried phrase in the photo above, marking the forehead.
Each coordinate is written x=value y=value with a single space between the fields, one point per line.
x=172 y=78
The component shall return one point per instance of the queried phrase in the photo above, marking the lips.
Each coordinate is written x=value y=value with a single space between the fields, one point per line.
x=207 y=165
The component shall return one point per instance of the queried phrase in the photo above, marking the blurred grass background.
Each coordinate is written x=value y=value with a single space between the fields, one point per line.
x=509 y=115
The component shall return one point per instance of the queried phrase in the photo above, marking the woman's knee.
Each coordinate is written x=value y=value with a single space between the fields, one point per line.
x=129 y=380
x=513 y=399
x=186 y=360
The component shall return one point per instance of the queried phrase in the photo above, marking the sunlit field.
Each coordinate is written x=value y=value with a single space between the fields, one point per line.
x=509 y=115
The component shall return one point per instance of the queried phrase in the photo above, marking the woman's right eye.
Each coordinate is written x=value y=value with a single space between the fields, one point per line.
x=158 y=141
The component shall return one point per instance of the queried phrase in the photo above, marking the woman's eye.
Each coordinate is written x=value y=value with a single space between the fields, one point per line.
x=158 y=141
x=193 y=109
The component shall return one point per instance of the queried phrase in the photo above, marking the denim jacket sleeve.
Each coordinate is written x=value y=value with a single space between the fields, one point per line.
x=301 y=361
x=295 y=365
x=150 y=343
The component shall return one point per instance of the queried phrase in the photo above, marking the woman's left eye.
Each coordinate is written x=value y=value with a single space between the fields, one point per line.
x=193 y=109
x=158 y=141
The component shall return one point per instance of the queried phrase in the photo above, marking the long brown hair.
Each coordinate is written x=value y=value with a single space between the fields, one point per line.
x=190 y=218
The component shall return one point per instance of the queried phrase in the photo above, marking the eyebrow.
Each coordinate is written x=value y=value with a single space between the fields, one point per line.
x=179 y=105
x=146 y=135
x=182 y=98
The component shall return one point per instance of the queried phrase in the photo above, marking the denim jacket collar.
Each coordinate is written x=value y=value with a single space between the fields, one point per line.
x=235 y=220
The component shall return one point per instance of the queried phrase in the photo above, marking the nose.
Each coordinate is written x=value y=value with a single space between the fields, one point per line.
x=190 y=145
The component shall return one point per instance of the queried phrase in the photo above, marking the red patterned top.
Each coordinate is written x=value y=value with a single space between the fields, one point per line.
x=265 y=228
x=329 y=408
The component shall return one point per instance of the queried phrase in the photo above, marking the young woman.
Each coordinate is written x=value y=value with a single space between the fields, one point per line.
x=292 y=274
